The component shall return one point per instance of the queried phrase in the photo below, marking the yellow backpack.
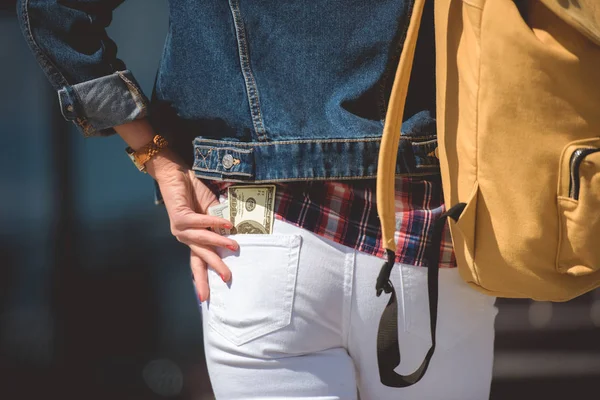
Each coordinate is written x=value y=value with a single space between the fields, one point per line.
x=518 y=123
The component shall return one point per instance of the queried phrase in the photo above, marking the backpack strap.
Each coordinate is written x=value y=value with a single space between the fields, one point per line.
x=388 y=151
x=388 y=349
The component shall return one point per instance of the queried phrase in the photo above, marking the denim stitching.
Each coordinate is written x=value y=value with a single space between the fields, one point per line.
x=199 y=153
x=135 y=93
x=87 y=128
x=241 y=151
x=344 y=178
x=47 y=64
x=425 y=143
x=204 y=156
x=244 y=55
x=37 y=49
x=308 y=141
x=49 y=67
x=220 y=172
x=83 y=121
x=199 y=175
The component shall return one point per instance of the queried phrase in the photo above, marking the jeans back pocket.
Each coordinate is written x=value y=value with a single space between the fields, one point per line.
x=259 y=298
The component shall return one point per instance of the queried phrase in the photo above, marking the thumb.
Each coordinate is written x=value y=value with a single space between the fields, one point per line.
x=204 y=196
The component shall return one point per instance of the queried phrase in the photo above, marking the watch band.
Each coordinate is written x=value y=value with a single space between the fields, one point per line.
x=146 y=152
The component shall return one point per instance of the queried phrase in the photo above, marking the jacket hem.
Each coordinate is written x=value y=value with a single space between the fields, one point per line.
x=307 y=160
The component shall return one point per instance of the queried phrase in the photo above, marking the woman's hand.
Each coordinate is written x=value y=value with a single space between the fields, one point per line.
x=187 y=200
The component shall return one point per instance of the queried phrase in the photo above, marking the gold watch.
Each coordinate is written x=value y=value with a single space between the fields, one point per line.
x=145 y=153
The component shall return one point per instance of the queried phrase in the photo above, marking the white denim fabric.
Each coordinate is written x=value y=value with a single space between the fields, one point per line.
x=300 y=317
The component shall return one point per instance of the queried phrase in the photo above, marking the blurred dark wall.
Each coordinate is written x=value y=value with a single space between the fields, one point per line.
x=96 y=299
x=95 y=296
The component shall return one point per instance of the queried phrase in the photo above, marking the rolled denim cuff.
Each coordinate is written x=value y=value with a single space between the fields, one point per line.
x=97 y=105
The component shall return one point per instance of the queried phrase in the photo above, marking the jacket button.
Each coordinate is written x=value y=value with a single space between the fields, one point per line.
x=227 y=161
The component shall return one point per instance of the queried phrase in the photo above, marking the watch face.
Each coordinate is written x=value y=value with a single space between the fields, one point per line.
x=134 y=160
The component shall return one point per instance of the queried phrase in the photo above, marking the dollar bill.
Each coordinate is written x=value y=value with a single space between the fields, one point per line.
x=220 y=210
x=251 y=208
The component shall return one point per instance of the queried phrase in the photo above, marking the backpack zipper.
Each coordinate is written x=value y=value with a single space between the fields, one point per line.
x=576 y=159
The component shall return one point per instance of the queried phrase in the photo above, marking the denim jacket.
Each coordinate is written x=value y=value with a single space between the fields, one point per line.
x=252 y=90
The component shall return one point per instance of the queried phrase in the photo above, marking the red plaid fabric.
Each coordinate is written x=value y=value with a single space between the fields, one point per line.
x=346 y=213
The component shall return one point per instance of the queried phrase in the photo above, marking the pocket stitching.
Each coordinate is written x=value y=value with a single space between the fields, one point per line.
x=291 y=244
x=561 y=198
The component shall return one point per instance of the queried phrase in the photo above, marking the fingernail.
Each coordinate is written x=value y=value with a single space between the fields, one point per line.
x=231 y=248
x=200 y=298
x=223 y=277
x=228 y=226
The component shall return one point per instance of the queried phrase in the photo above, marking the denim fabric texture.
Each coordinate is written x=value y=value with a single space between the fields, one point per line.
x=287 y=90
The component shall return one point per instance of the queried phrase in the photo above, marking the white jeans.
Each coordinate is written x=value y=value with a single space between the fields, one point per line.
x=300 y=316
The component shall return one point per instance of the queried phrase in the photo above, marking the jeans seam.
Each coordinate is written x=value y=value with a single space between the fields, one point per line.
x=310 y=141
x=48 y=63
x=349 y=267
x=400 y=267
x=249 y=80
x=138 y=98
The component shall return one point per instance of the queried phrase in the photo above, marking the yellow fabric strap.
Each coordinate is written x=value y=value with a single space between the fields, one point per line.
x=388 y=152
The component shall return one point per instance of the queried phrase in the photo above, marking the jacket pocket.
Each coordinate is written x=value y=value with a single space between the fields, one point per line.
x=579 y=208
x=259 y=298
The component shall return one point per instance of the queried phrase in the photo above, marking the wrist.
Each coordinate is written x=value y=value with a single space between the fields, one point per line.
x=144 y=154
x=136 y=133
x=164 y=164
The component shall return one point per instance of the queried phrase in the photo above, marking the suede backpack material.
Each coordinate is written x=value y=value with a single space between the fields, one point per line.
x=518 y=123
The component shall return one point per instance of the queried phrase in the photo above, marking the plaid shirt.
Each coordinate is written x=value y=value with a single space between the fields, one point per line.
x=346 y=213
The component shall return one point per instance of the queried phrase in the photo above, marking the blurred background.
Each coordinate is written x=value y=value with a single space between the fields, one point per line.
x=96 y=300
